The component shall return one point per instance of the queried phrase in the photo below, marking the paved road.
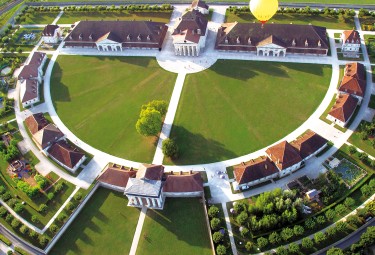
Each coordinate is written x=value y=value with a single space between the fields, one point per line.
x=9 y=6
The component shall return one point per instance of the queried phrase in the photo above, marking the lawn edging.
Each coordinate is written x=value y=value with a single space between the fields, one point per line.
x=65 y=226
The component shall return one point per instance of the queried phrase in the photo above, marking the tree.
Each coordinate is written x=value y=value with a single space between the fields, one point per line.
x=50 y=195
x=221 y=250
x=341 y=226
x=24 y=229
x=298 y=230
x=330 y=214
x=43 y=240
x=217 y=237
x=32 y=234
x=215 y=223
x=366 y=190
x=249 y=246
x=368 y=238
x=61 y=217
x=274 y=238
x=19 y=207
x=353 y=220
x=335 y=251
x=321 y=220
x=340 y=209
x=34 y=219
x=310 y=223
x=262 y=242
x=170 y=148
x=352 y=149
x=213 y=211
x=78 y=196
x=3 y=211
x=331 y=231
x=294 y=248
x=15 y=223
x=54 y=228
x=287 y=234
x=244 y=232
x=242 y=218
x=307 y=243
x=281 y=251
x=239 y=207
x=149 y=123
x=319 y=237
x=159 y=105
x=70 y=206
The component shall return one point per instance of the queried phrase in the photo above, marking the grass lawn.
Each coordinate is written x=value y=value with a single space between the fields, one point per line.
x=71 y=17
x=370 y=39
x=106 y=225
x=237 y=107
x=180 y=228
x=364 y=145
x=40 y=17
x=286 y=18
x=99 y=99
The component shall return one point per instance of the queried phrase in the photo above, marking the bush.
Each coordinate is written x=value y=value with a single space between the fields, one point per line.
x=217 y=237
x=352 y=149
x=34 y=219
x=335 y=251
x=321 y=220
x=274 y=238
x=2 y=189
x=330 y=214
x=54 y=228
x=15 y=223
x=43 y=208
x=3 y=211
x=262 y=242
x=19 y=207
x=21 y=251
x=32 y=234
x=24 y=229
x=353 y=220
x=249 y=246
x=9 y=217
x=6 y=196
x=170 y=148
x=5 y=240
x=41 y=180
x=78 y=196
x=294 y=248
x=43 y=240
x=70 y=206
x=12 y=202
x=298 y=230
x=213 y=211
x=242 y=218
x=221 y=250
x=61 y=217
x=27 y=189
x=307 y=243
x=59 y=187
x=50 y=195
x=310 y=223
x=244 y=232
x=281 y=251
x=340 y=209
x=215 y=223
x=319 y=237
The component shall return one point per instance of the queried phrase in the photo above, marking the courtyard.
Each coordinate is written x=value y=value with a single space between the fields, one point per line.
x=103 y=112
x=180 y=228
x=106 y=225
x=238 y=107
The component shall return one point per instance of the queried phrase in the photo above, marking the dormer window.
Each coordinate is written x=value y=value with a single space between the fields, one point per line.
x=306 y=43
x=80 y=36
x=238 y=40
x=319 y=44
x=139 y=37
x=70 y=37
x=294 y=42
x=249 y=41
x=148 y=38
x=90 y=36
x=128 y=37
x=226 y=40
x=199 y=31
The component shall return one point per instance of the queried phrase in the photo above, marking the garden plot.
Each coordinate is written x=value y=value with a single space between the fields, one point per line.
x=349 y=172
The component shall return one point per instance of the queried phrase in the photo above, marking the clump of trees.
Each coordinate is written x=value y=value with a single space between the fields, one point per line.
x=150 y=118
x=11 y=152
x=170 y=148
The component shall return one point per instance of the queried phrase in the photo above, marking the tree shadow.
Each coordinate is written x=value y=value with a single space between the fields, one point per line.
x=59 y=91
x=195 y=148
x=138 y=61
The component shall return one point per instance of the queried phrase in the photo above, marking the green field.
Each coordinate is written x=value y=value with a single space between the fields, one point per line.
x=237 y=107
x=40 y=18
x=99 y=100
x=364 y=145
x=106 y=225
x=71 y=17
x=180 y=228
x=295 y=18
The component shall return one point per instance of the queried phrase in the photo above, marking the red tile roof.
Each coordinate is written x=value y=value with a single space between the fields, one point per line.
x=283 y=155
x=48 y=135
x=190 y=27
x=199 y=3
x=116 y=176
x=308 y=143
x=30 y=90
x=49 y=30
x=183 y=183
x=66 y=154
x=27 y=72
x=351 y=36
x=150 y=172
x=344 y=107
x=353 y=86
x=254 y=170
x=356 y=70
x=36 y=122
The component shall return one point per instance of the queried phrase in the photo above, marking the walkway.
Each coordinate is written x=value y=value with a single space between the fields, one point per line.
x=138 y=231
x=229 y=228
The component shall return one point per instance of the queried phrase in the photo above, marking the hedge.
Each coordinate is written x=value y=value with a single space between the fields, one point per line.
x=5 y=240
x=21 y=251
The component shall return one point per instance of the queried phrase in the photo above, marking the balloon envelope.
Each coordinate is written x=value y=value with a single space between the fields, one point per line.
x=263 y=10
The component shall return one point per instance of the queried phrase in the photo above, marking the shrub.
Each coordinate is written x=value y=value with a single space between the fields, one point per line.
x=281 y=251
x=2 y=189
x=24 y=229
x=307 y=243
x=43 y=240
x=50 y=195
x=353 y=220
x=340 y=209
x=321 y=219
x=341 y=226
x=3 y=211
x=249 y=246
x=331 y=231
x=43 y=208
x=9 y=217
x=34 y=219
x=15 y=223
x=244 y=232
x=310 y=223
x=6 y=196
x=54 y=228
x=5 y=240
x=352 y=149
x=27 y=189
x=213 y=211
x=287 y=234
x=32 y=234
x=215 y=223
x=20 y=251
x=217 y=237
x=70 y=206
x=59 y=187
x=242 y=218
x=61 y=217
x=12 y=202
x=298 y=230
x=274 y=238
x=221 y=250
x=78 y=196
x=294 y=248
x=239 y=207
x=330 y=214
x=319 y=237
x=41 y=180
x=335 y=251
x=19 y=207
x=170 y=148
x=262 y=242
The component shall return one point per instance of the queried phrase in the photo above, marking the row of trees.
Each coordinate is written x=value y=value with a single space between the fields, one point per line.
x=217 y=231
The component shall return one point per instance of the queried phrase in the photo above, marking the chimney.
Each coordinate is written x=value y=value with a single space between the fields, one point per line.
x=249 y=41
x=306 y=43
x=180 y=172
x=171 y=172
x=226 y=40
x=319 y=44
x=191 y=172
x=238 y=40
x=199 y=31
x=294 y=42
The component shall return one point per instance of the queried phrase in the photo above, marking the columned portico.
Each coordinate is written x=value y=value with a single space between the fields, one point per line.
x=271 y=51
x=186 y=49
x=109 y=46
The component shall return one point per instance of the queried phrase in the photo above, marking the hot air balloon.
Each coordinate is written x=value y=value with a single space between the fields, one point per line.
x=263 y=10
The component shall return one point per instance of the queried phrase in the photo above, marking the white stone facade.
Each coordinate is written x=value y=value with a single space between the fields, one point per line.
x=271 y=50
x=53 y=38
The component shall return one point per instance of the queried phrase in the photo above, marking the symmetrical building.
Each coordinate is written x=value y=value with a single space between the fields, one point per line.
x=30 y=77
x=200 y=6
x=66 y=155
x=343 y=109
x=117 y=35
x=282 y=159
x=190 y=33
x=351 y=43
x=150 y=185
x=51 y=34
x=272 y=39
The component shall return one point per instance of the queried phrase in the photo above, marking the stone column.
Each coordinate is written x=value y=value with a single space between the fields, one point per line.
x=153 y=202
x=159 y=202
x=140 y=200
x=184 y=49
